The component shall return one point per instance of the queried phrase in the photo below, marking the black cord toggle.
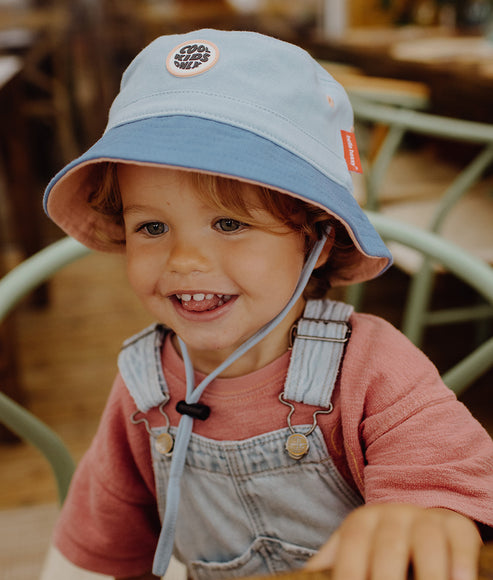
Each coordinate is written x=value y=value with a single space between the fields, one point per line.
x=195 y=410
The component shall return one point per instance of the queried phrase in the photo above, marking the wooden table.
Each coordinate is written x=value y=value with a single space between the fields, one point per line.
x=458 y=69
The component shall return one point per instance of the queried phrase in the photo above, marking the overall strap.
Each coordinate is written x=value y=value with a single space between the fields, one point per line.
x=140 y=365
x=319 y=340
x=320 y=335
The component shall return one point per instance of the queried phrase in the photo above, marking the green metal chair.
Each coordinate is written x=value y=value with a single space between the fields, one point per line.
x=13 y=287
x=457 y=261
x=43 y=265
x=460 y=210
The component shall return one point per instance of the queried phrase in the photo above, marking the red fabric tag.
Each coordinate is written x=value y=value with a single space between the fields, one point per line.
x=351 y=151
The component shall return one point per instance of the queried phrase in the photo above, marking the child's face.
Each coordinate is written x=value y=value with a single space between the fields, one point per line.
x=212 y=279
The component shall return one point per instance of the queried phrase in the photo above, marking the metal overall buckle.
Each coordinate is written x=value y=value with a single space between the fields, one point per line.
x=297 y=444
x=164 y=441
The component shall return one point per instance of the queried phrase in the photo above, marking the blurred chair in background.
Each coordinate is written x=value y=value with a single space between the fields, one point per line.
x=416 y=186
x=451 y=258
x=14 y=286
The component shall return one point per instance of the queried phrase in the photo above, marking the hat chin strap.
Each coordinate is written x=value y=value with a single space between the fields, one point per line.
x=166 y=538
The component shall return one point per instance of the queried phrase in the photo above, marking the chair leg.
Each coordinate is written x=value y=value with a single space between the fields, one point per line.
x=483 y=329
x=417 y=303
x=470 y=368
x=31 y=429
x=10 y=383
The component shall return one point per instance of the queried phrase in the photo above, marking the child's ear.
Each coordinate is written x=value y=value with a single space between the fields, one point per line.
x=324 y=255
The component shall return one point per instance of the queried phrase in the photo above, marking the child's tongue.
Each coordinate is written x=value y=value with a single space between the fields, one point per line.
x=207 y=303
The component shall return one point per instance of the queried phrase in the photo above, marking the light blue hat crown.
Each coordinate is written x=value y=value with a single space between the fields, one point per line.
x=232 y=103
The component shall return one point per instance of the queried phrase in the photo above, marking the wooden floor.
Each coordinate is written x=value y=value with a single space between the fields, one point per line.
x=67 y=358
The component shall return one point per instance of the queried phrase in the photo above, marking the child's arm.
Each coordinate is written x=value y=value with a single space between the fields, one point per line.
x=377 y=542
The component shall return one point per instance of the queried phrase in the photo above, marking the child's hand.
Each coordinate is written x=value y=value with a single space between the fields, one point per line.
x=377 y=542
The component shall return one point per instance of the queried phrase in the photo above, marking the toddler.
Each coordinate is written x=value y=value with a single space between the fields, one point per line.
x=258 y=426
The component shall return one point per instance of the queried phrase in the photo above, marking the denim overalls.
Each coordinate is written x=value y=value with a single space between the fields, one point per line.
x=248 y=507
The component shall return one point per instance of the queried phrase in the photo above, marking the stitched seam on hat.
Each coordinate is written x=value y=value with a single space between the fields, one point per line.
x=229 y=98
x=226 y=97
x=226 y=119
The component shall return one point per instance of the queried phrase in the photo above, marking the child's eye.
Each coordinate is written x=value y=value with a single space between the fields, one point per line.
x=154 y=228
x=229 y=225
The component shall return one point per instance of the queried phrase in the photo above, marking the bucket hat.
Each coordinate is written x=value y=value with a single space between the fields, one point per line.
x=233 y=103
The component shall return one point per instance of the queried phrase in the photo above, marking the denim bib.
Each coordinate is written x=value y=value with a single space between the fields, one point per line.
x=248 y=507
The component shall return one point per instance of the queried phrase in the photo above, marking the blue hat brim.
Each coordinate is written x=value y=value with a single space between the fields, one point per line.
x=206 y=145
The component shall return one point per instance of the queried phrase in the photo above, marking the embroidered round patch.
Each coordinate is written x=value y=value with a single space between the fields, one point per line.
x=192 y=58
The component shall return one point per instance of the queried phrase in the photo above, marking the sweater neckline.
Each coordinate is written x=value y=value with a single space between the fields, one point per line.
x=274 y=372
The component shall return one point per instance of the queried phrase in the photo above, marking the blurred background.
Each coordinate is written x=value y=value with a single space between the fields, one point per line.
x=60 y=66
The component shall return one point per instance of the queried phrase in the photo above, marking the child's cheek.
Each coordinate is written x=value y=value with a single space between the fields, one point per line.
x=140 y=273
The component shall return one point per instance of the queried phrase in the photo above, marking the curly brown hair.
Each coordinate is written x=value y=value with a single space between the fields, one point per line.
x=228 y=195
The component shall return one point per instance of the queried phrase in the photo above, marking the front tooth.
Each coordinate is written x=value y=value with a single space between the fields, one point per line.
x=186 y=297
x=198 y=297
x=209 y=296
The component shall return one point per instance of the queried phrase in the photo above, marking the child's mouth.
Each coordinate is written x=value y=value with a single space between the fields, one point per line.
x=202 y=302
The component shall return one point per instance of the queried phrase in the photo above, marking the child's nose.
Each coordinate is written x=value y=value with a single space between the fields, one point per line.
x=188 y=256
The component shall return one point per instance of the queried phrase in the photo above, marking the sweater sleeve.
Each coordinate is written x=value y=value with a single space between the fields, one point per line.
x=112 y=492
x=407 y=437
